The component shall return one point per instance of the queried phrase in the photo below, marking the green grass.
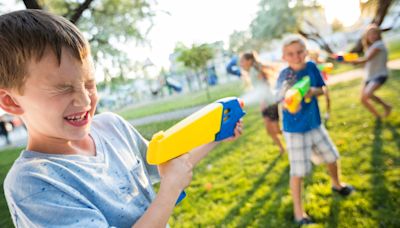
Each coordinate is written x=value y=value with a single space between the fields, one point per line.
x=7 y=158
x=184 y=101
x=250 y=181
x=394 y=50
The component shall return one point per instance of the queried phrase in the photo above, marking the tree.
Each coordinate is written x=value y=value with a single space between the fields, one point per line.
x=105 y=23
x=381 y=10
x=195 y=58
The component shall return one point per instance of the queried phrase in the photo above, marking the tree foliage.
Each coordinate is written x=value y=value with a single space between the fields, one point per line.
x=274 y=18
x=107 y=24
x=195 y=57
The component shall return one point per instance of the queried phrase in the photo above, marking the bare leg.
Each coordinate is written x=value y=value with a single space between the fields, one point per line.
x=334 y=173
x=273 y=130
x=295 y=188
x=386 y=106
x=366 y=93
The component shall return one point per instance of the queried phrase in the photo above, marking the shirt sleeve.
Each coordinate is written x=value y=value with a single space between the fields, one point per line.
x=318 y=80
x=52 y=208
x=279 y=81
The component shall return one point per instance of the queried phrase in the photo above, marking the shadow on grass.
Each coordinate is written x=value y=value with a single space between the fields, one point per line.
x=272 y=216
x=235 y=211
x=333 y=220
x=395 y=133
x=382 y=202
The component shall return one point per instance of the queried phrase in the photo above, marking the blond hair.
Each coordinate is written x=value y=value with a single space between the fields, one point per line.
x=371 y=28
x=293 y=39
x=25 y=36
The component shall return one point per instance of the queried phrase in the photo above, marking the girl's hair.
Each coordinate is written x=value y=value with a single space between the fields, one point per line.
x=248 y=56
x=371 y=28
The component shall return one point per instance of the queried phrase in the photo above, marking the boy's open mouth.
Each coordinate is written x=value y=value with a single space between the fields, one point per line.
x=77 y=119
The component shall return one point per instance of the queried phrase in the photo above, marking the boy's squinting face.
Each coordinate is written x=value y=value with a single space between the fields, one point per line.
x=59 y=101
x=295 y=54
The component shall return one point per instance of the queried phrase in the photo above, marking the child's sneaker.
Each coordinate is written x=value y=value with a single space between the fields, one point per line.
x=344 y=191
x=304 y=221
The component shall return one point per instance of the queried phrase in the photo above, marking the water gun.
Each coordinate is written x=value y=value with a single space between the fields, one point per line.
x=346 y=57
x=214 y=122
x=295 y=94
x=325 y=67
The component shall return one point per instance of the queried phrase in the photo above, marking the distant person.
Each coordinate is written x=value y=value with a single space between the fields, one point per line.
x=307 y=140
x=377 y=73
x=78 y=170
x=268 y=101
x=240 y=66
x=4 y=131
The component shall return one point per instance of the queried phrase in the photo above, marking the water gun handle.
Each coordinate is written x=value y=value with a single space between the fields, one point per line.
x=181 y=197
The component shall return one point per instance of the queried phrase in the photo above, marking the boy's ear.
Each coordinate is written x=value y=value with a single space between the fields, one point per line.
x=9 y=104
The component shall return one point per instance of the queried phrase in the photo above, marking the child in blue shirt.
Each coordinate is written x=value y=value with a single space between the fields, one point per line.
x=78 y=170
x=306 y=139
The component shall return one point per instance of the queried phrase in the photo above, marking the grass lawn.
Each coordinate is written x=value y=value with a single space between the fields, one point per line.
x=245 y=183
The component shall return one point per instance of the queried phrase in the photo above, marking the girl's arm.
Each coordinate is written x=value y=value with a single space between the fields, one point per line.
x=367 y=58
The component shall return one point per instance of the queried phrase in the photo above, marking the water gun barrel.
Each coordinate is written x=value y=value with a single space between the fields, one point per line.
x=346 y=57
x=214 y=122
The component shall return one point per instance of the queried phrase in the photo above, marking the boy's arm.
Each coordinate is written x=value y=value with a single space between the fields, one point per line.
x=176 y=174
x=314 y=91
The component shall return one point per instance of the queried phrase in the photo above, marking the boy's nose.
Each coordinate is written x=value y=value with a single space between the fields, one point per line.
x=82 y=98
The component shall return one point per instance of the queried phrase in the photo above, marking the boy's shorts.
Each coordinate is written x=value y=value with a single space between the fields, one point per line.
x=271 y=112
x=314 y=145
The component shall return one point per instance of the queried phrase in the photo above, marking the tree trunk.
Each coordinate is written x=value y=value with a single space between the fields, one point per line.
x=381 y=11
x=76 y=14
x=32 y=4
x=78 y=11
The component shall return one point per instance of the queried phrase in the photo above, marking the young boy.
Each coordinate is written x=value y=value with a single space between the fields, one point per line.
x=305 y=137
x=78 y=170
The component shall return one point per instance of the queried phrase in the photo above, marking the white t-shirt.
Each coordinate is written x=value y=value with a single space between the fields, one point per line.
x=376 y=67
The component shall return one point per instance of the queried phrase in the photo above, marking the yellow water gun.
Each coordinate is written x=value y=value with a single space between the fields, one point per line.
x=214 y=122
x=346 y=57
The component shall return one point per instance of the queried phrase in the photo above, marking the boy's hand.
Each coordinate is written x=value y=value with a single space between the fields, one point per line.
x=237 y=132
x=314 y=91
x=176 y=173
x=310 y=94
